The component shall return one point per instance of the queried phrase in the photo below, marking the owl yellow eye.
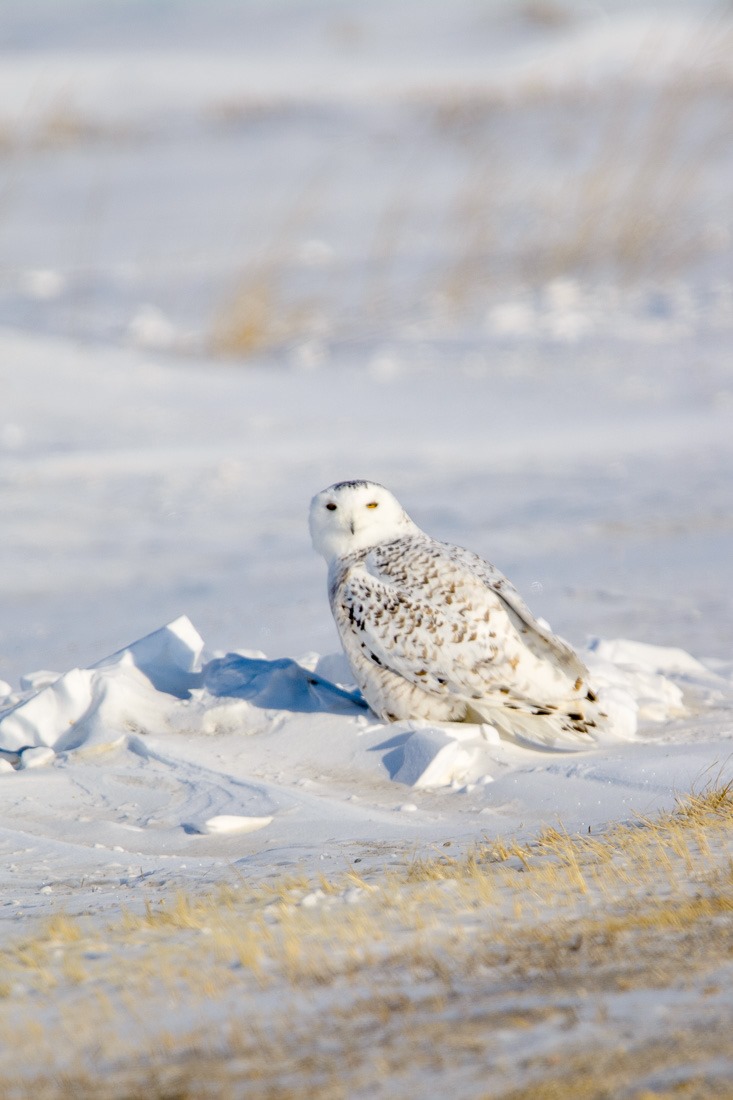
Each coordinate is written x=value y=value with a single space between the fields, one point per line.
x=372 y=504
x=331 y=507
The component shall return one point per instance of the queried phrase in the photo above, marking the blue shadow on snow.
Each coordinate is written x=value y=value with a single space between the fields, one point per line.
x=282 y=684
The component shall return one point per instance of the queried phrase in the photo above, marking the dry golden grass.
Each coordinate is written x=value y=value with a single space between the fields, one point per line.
x=623 y=200
x=345 y=983
x=628 y=208
x=546 y=13
x=259 y=312
x=61 y=125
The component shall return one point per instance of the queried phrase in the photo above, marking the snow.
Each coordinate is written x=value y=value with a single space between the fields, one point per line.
x=234 y=823
x=476 y=266
x=240 y=743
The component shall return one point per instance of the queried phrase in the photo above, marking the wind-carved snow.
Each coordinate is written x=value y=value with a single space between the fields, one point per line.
x=239 y=744
x=95 y=708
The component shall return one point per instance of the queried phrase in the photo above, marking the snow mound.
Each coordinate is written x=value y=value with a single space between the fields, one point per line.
x=94 y=709
x=159 y=685
x=648 y=683
x=163 y=754
x=433 y=758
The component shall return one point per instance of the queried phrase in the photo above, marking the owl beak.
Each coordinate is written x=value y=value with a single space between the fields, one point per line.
x=351 y=526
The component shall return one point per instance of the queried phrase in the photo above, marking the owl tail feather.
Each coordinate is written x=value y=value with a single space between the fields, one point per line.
x=572 y=725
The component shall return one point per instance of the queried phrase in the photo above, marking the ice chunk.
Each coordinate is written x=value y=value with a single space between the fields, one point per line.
x=432 y=758
x=231 y=823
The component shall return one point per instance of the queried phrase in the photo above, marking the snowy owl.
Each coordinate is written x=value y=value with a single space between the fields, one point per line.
x=432 y=631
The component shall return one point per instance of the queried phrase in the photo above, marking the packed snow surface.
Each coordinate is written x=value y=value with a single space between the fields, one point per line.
x=249 y=251
x=155 y=747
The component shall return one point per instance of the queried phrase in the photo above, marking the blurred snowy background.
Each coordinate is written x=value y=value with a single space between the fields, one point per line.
x=481 y=251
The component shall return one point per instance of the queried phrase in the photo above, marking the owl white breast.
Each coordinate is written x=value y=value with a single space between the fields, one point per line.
x=433 y=631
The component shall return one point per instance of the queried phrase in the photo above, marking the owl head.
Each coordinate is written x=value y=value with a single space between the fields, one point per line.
x=355 y=515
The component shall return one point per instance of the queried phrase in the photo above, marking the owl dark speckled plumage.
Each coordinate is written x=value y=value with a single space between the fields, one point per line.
x=432 y=631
